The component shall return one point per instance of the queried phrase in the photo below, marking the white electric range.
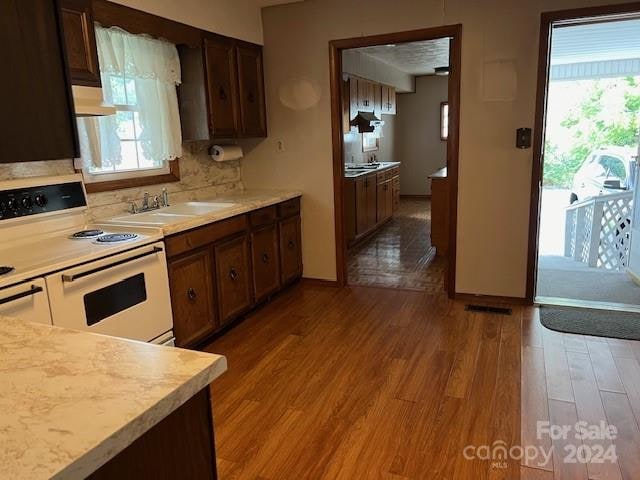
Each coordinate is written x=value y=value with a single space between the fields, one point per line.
x=56 y=268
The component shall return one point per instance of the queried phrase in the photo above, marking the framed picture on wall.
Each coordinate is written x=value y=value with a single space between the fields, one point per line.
x=370 y=143
x=444 y=121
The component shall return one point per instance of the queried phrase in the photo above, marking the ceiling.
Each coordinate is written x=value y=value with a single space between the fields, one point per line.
x=415 y=58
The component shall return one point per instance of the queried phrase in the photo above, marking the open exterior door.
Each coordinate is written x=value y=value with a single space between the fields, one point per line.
x=633 y=268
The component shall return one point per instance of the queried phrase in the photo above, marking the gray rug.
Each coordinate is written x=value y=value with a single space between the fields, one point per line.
x=585 y=321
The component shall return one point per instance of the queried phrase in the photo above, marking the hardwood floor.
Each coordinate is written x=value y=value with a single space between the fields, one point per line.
x=568 y=378
x=366 y=383
x=372 y=383
x=400 y=254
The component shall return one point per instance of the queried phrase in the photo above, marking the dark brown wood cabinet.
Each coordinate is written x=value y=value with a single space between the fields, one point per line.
x=290 y=249
x=265 y=257
x=222 y=90
x=39 y=120
x=388 y=104
x=80 y=42
x=384 y=198
x=251 y=91
x=233 y=278
x=366 y=208
x=192 y=296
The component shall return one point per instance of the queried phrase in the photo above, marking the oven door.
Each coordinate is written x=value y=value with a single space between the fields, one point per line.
x=26 y=301
x=125 y=295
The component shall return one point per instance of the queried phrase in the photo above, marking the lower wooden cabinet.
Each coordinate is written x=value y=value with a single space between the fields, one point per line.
x=192 y=296
x=290 y=249
x=265 y=257
x=220 y=271
x=233 y=278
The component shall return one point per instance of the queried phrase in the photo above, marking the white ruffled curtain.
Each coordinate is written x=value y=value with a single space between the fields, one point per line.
x=155 y=67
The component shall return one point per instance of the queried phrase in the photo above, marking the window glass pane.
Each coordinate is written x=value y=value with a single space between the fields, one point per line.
x=124 y=121
x=144 y=159
x=137 y=124
x=117 y=90
x=129 y=156
x=613 y=167
x=130 y=87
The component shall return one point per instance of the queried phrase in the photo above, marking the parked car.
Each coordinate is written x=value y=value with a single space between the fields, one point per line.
x=606 y=170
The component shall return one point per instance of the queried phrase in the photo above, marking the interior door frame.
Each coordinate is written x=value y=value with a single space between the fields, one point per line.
x=454 y=32
x=547 y=20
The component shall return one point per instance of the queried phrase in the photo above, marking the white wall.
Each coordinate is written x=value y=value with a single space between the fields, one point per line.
x=494 y=176
x=387 y=144
x=418 y=134
x=364 y=66
x=235 y=18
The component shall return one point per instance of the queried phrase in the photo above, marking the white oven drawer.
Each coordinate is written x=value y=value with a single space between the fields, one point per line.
x=27 y=301
x=125 y=295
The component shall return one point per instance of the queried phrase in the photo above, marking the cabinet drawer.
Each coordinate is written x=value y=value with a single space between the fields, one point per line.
x=190 y=279
x=396 y=182
x=393 y=172
x=199 y=237
x=232 y=278
x=266 y=261
x=381 y=177
x=290 y=249
x=264 y=216
x=289 y=208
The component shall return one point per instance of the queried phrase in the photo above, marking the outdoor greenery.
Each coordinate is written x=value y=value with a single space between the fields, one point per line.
x=592 y=125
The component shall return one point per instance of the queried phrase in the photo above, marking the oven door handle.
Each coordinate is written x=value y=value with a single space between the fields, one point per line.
x=34 y=289
x=73 y=277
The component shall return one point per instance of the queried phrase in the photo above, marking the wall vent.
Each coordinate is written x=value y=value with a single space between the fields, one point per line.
x=488 y=309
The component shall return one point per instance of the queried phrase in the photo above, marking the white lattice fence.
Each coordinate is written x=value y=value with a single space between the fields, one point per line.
x=598 y=230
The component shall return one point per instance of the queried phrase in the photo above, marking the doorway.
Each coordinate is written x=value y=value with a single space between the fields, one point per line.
x=383 y=238
x=585 y=165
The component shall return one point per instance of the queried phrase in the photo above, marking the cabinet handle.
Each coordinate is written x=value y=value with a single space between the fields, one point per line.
x=265 y=258
x=233 y=275
x=222 y=94
x=191 y=293
x=291 y=244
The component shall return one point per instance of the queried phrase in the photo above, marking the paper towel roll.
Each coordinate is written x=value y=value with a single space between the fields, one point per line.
x=224 y=153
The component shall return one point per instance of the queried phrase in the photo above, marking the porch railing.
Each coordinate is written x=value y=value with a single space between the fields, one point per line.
x=598 y=230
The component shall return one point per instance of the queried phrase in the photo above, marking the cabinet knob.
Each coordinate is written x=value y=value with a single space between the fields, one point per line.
x=191 y=293
x=222 y=94
x=265 y=258
x=291 y=244
x=233 y=275
x=251 y=97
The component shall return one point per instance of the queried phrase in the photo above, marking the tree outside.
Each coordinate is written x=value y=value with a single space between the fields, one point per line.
x=584 y=115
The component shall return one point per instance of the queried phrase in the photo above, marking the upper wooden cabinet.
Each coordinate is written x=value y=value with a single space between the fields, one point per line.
x=251 y=90
x=80 y=42
x=388 y=104
x=222 y=90
x=39 y=121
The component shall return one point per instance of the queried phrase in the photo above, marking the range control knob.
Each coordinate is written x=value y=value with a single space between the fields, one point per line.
x=41 y=200
x=12 y=204
x=26 y=202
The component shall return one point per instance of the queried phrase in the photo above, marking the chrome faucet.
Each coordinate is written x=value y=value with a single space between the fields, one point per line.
x=145 y=202
x=165 y=197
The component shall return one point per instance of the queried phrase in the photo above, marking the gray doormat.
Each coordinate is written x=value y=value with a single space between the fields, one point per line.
x=586 y=321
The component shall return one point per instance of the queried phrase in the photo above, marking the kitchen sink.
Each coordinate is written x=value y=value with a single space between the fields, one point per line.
x=172 y=214
x=196 y=208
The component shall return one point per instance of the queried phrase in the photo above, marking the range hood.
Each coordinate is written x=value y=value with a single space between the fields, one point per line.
x=90 y=103
x=366 y=122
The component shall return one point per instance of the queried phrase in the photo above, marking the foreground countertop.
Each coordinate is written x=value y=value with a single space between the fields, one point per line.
x=70 y=401
x=354 y=173
x=240 y=202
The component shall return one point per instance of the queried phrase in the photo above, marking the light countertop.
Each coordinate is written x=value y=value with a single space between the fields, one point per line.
x=354 y=173
x=70 y=401
x=239 y=202
x=442 y=173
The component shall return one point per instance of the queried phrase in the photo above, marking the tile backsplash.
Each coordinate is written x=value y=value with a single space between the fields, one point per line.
x=200 y=178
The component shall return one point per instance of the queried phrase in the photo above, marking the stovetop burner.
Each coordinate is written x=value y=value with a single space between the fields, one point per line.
x=87 y=234
x=4 y=270
x=116 y=237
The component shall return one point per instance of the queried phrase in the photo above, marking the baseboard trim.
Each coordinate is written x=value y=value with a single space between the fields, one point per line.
x=416 y=197
x=319 y=282
x=470 y=297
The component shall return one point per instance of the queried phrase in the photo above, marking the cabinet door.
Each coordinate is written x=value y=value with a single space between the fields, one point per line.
x=346 y=108
x=80 y=42
x=266 y=261
x=39 y=121
x=381 y=213
x=377 y=100
x=290 y=249
x=192 y=297
x=233 y=278
x=251 y=82
x=388 y=198
x=372 y=205
x=362 y=215
x=222 y=87
x=391 y=101
x=365 y=96
x=396 y=193
x=353 y=98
